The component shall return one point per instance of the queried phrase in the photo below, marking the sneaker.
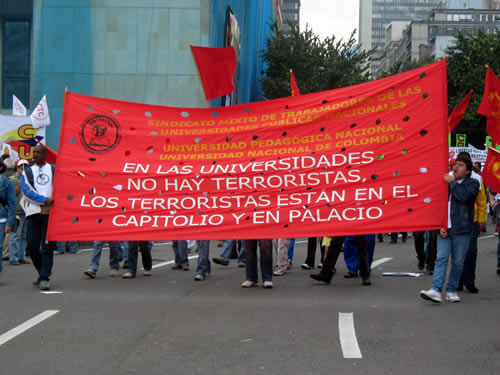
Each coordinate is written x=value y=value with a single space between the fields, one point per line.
x=199 y=278
x=90 y=273
x=288 y=266
x=452 y=297
x=147 y=272
x=176 y=267
x=114 y=273
x=128 y=275
x=44 y=285
x=320 y=265
x=267 y=285
x=185 y=268
x=241 y=265
x=36 y=282
x=305 y=266
x=431 y=295
x=280 y=271
x=220 y=261
x=248 y=284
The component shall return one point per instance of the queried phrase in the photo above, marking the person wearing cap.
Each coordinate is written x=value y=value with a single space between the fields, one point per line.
x=7 y=205
x=18 y=238
x=36 y=184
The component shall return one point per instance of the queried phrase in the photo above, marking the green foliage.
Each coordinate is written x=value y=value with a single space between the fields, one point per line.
x=466 y=62
x=344 y=63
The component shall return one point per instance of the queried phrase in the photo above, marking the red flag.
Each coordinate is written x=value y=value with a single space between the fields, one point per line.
x=293 y=84
x=490 y=105
x=51 y=156
x=458 y=112
x=491 y=170
x=216 y=67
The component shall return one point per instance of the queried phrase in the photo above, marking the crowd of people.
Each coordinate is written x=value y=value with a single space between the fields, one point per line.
x=26 y=198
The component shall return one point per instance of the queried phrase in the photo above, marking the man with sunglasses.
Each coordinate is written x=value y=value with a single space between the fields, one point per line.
x=36 y=184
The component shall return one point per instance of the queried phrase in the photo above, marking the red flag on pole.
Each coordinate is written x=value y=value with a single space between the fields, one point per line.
x=51 y=156
x=491 y=170
x=490 y=105
x=458 y=112
x=293 y=84
x=216 y=67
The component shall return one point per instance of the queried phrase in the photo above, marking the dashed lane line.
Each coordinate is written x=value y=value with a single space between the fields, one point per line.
x=171 y=262
x=347 y=334
x=379 y=262
x=7 y=336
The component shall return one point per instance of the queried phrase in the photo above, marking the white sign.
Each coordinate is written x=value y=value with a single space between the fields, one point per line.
x=476 y=154
x=18 y=108
x=40 y=116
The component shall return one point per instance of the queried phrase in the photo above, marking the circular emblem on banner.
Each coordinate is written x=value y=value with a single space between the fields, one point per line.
x=100 y=134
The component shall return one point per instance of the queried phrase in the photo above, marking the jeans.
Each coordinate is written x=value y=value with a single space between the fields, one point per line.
x=18 y=241
x=229 y=246
x=419 y=241
x=290 y=250
x=204 y=266
x=469 y=273
x=181 y=253
x=2 y=236
x=266 y=259
x=312 y=243
x=334 y=251
x=61 y=247
x=41 y=251
x=457 y=246
x=351 y=256
x=114 y=256
x=133 y=250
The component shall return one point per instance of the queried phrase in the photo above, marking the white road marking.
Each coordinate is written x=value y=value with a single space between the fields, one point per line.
x=348 y=339
x=379 y=262
x=482 y=238
x=7 y=336
x=171 y=262
x=51 y=292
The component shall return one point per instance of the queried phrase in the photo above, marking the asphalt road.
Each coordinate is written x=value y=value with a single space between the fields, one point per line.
x=171 y=324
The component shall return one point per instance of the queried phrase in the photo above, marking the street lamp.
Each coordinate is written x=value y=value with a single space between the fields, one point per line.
x=321 y=70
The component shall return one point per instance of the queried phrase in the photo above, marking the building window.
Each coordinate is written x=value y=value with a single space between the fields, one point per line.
x=15 y=61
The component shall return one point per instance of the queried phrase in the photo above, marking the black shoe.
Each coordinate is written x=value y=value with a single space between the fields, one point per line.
x=380 y=237
x=421 y=264
x=319 y=277
x=366 y=281
x=350 y=275
x=220 y=261
x=472 y=288
x=393 y=241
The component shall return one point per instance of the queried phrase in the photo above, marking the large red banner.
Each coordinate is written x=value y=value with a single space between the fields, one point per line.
x=362 y=159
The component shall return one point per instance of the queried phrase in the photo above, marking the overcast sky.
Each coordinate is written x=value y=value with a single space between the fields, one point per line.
x=330 y=17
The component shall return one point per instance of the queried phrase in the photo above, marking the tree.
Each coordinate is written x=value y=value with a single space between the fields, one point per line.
x=317 y=65
x=466 y=61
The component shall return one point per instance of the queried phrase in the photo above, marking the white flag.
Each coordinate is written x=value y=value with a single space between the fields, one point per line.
x=18 y=108
x=40 y=116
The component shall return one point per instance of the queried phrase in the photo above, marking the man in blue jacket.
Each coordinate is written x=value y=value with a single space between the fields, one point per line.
x=7 y=205
x=37 y=181
x=455 y=239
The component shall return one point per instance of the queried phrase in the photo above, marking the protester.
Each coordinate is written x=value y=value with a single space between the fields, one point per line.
x=266 y=263
x=312 y=243
x=181 y=255
x=454 y=241
x=426 y=259
x=18 y=238
x=468 y=278
x=36 y=184
x=61 y=247
x=147 y=260
x=204 y=267
x=282 y=264
x=95 y=257
x=394 y=237
x=351 y=256
x=332 y=254
x=7 y=205
x=229 y=248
